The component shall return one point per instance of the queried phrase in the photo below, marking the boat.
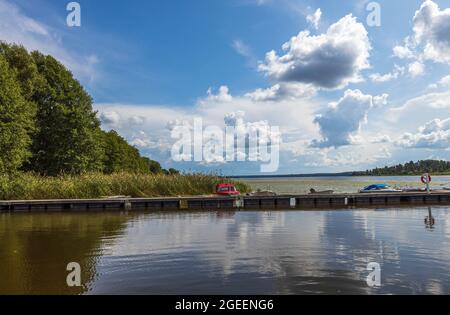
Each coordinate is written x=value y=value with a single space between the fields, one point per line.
x=446 y=187
x=226 y=189
x=379 y=188
x=413 y=189
x=312 y=191
x=263 y=193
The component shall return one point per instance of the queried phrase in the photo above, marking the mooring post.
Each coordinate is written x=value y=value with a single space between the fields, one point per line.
x=127 y=204
x=426 y=179
x=238 y=202
x=293 y=202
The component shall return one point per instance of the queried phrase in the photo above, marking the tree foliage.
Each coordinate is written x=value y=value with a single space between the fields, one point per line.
x=48 y=125
x=410 y=168
x=120 y=156
x=68 y=131
x=16 y=120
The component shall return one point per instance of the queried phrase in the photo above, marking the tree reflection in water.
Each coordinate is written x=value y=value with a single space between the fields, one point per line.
x=35 y=249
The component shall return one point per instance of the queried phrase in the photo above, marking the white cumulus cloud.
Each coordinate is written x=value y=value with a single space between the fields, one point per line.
x=110 y=118
x=432 y=30
x=223 y=95
x=433 y=135
x=343 y=119
x=416 y=69
x=314 y=19
x=330 y=60
x=431 y=35
x=282 y=91
x=394 y=74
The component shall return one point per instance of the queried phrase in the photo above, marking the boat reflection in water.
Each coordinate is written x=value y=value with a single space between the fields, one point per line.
x=280 y=252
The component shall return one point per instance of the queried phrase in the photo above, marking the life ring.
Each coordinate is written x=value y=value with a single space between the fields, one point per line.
x=426 y=178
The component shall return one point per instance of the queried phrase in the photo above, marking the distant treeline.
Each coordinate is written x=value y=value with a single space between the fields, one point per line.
x=48 y=126
x=410 y=168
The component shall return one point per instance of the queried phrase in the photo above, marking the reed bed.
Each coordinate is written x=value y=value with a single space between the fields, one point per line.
x=28 y=186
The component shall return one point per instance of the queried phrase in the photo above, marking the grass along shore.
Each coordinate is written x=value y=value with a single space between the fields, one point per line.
x=28 y=186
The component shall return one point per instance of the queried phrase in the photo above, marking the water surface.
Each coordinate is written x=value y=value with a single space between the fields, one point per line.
x=340 y=184
x=279 y=252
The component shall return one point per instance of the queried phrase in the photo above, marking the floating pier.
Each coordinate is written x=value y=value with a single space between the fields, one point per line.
x=210 y=203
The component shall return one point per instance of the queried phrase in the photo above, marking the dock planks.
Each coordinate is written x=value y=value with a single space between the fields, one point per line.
x=210 y=203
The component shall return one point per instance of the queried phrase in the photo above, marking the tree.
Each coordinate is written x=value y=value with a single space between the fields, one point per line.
x=68 y=137
x=16 y=120
x=171 y=171
x=47 y=124
x=153 y=166
x=26 y=70
x=411 y=168
x=121 y=156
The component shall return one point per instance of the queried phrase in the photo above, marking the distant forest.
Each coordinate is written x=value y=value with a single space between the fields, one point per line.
x=435 y=167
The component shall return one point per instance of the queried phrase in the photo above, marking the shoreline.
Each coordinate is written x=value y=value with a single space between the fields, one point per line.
x=327 y=175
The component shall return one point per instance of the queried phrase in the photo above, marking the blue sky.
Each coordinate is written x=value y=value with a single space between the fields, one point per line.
x=346 y=95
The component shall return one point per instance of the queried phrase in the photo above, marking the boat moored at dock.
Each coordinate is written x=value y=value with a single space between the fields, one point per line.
x=233 y=202
x=379 y=188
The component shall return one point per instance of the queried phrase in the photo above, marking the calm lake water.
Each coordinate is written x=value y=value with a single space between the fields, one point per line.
x=340 y=184
x=279 y=252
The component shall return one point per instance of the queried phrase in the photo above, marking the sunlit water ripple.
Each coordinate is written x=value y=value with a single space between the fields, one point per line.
x=279 y=252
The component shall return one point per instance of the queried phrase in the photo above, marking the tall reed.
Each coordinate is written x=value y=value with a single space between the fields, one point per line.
x=28 y=186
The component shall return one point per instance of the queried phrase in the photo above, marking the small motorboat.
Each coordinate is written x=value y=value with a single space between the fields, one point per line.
x=446 y=187
x=312 y=191
x=379 y=188
x=227 y=189
x=263 y=193
x=413 y=189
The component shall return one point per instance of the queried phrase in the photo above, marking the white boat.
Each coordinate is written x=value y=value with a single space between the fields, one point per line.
x=446 y=187
x=312 y=191
x=263 y=193
x=379 y=188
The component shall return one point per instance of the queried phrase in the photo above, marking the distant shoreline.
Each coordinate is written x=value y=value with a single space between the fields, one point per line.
x=294 y=175
x=349 y=174
x=434 y=167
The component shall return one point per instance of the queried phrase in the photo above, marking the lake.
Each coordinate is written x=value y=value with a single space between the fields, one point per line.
x=268 y=252
x=340 y=184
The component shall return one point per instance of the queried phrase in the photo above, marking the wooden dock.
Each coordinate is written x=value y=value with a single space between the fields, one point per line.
x=210 y=203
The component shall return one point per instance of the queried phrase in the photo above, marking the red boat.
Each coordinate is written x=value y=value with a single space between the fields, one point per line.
x=226 y=190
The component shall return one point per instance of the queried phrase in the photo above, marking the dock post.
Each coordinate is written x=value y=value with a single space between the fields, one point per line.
x=127 y=204
x=183 y=204
x=293 y=202
x=238 y=202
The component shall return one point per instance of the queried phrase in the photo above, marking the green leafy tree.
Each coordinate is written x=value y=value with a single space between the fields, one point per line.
x=47 y=124
x=121 y=156
x=153 y=166
x=25 y=67
x=171 y=171
x=16 y=120
x=68 y=137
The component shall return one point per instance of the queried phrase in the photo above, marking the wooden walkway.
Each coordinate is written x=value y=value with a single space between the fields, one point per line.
x=281 y=202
